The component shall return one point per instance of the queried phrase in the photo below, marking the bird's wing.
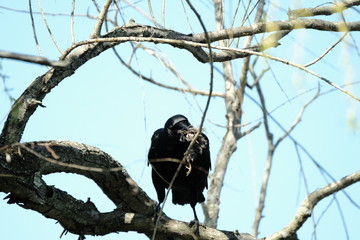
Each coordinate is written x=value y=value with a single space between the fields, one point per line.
x=154 y=144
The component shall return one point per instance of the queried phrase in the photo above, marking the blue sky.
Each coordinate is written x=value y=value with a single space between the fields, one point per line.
x=104 y=105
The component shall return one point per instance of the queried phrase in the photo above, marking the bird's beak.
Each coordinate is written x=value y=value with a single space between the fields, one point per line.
x=187 y=133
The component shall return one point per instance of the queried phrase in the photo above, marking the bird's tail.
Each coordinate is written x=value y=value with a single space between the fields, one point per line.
x=185 y=196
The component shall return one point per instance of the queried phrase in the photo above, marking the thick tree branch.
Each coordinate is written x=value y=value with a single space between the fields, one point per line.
x=137 y=32
x=307 y=206
x=23 y=165
x=61 y=156
x=233 y=103
x=263 y=27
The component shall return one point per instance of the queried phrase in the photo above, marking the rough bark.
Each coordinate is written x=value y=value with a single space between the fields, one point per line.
x=23 y=165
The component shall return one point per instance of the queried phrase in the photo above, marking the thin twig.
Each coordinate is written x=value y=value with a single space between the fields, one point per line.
x=72 y=22
x=152 y=14
x=250 y=130
x=166 y=63
x=46 y=13
x=298 y=119
x=302 y=173
x=34 y=30
x=151 y=80
x=163 y=13
x=33 y=59
x=151 y=19
x=326 y=51
x=48 y=27
x=301 y=67
x=187 y=17
x=268 y=166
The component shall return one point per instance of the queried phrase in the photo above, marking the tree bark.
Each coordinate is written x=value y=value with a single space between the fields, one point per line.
x=23 y=165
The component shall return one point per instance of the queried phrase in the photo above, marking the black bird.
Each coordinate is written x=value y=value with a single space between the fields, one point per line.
x=167 y=149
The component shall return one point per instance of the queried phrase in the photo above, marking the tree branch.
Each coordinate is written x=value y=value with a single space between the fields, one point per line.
x=21 y=176
x=263 y=27
x=307 y=206
x=62 y=156
x=324 y=10
x=228 y=146
x=101 y=17
x=33 y=59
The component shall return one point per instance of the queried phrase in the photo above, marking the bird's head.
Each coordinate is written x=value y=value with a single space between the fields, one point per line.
x=176 y=124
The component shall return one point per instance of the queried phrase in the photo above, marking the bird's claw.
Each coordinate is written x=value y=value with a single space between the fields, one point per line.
x=197 y=224
x=157 y=213
x=189 y=168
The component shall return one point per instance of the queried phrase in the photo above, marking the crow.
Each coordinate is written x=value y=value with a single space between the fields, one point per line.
x=166 y=153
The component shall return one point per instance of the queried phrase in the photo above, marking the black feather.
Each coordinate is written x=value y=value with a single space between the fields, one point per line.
x=167 y=149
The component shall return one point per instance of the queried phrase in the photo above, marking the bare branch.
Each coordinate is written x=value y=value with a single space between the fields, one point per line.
x=301 y=67
x=307 y=206
x=336 y=7
x=298 y=119
x=80 y=159
x=34 y=30
x=228 y=146
x=101 y=17
x=166 y=63
x=326 y=51
x=72 y=22
x=135 y=209
x=251 y=129
x=48 y=27
x=47 y=13
x=275 y=26
x=151 y=80
x=33 y=59
x=151 y=18
x=268 y=166
x=152 y=13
